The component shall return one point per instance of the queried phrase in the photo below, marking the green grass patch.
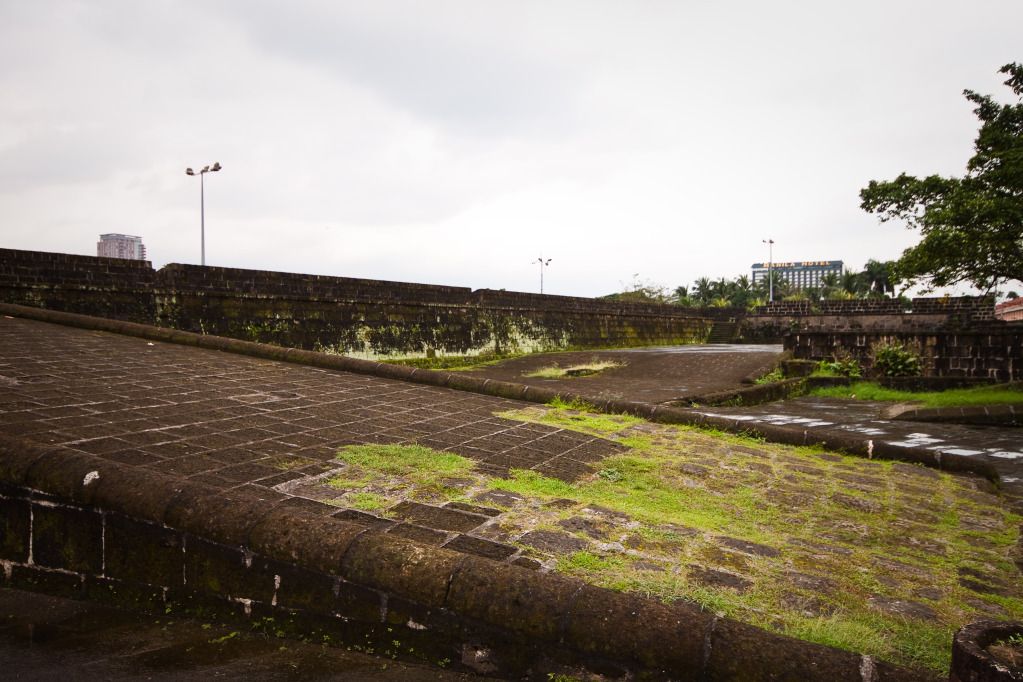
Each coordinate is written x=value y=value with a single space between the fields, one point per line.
x=586 y=369
x=367 y=501
x=956 y=397
x=588 y=562
x=455 y=363
x=404 y=460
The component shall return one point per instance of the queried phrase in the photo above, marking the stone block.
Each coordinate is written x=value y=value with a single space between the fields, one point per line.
x=628 y=628
x=136 y=493
x=744 y=652
x=301 y=589
x=67 y=538
x=36 y=579
x=310 y=540
x=14 y=530
x=142 y=552
x=532 y=604
x=219 y=517
x=441 y=518
x=401 y=568
x=228 y=572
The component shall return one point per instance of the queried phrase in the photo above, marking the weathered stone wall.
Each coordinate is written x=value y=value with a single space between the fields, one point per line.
x=109 y=287
x=366 y=318
x=774 y=321
x=993 y=351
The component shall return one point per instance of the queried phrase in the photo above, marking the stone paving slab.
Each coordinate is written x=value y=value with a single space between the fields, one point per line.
x=653 y=375
x=230 y=421
x=999 y=446
x=779 y=536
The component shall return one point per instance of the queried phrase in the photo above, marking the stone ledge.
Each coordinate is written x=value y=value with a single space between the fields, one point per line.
x=272 y=558
x=981 y=415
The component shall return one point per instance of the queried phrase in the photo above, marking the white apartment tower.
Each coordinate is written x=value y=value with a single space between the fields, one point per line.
x=121 y=246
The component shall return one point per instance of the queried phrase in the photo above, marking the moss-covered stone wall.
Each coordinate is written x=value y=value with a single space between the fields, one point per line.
x=364 y=318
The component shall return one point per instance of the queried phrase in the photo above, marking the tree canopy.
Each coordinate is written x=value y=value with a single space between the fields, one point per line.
x=876 y=280
x=971 y=227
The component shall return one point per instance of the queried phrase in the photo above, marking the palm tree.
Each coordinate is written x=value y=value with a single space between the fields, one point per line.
x=878 y=277
x=703 y=291
x=853 y=283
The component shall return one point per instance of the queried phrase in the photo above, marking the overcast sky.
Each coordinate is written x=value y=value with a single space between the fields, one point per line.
x=455 y=142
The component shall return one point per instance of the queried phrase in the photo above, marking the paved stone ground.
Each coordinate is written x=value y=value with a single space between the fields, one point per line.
x=229 y=421
x=1000 y=446
x=790 y=539
x=652 y=375
x=773 y=535
x=45 y=638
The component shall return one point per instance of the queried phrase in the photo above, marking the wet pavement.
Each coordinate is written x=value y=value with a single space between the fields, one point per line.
x=1002 y=447
x=652 y=375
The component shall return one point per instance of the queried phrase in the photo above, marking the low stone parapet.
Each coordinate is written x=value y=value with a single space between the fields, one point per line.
x=81 y=527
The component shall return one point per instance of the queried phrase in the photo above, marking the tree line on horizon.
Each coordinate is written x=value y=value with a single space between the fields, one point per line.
x=876 y=281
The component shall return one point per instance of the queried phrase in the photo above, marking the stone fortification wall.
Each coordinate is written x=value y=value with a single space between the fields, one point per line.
x=776 y=320
x=109 y=287
x=963 y=307
x=993 y=351
x=367 y=318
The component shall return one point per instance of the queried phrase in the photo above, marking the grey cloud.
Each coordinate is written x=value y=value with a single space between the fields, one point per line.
x=458 y=80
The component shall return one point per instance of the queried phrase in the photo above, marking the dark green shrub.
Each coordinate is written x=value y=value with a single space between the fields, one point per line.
x=896 y=359
x=839 y=367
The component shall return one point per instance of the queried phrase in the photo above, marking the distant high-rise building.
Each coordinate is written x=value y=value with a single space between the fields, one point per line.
x=805 y=274
x=121 y=246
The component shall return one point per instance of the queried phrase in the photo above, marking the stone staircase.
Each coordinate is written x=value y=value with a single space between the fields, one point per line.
x=723 y=332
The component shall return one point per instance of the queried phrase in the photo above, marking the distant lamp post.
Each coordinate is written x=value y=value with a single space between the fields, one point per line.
x=202 y=202
x=770 y=268
x=543 y=263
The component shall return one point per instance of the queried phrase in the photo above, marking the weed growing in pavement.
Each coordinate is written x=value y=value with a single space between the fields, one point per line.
x=774 y=376
x=586 y=369
x=404 y=460
x=580 y=405
x=572 y=416
x=367 y=501
x=454 y=363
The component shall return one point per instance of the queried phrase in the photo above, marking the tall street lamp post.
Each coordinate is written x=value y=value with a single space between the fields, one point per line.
x=202 y=202
x=543 y=263
x=770 y=268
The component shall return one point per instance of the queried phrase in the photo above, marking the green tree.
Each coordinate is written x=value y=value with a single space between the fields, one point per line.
x=879 y=277
x=703 y=291
x=971 y=227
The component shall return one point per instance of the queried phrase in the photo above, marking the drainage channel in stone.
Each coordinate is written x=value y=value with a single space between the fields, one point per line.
x=881 y=558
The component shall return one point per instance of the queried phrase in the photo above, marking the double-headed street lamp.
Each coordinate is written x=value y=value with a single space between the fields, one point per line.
x=770 y=263
x=202 y=201
x=543 y=263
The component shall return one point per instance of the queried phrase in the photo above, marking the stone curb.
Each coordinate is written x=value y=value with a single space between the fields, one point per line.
x=459 y=381
x=971 y=662
x=750 y=395
x=983 y=415
x=533 y=612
